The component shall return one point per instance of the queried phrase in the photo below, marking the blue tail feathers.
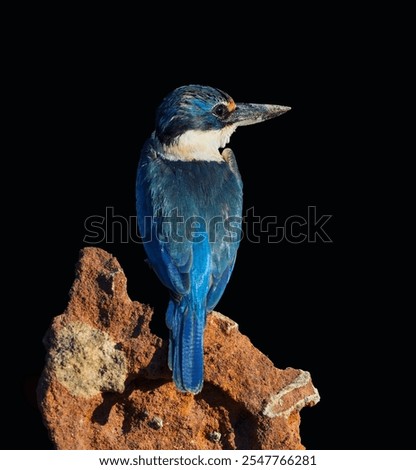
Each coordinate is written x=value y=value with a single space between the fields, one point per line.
x=186 y=322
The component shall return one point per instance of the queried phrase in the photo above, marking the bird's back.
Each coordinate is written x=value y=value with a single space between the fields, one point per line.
x=188 y=199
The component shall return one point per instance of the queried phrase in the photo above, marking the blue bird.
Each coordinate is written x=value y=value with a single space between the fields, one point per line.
x=189 y=206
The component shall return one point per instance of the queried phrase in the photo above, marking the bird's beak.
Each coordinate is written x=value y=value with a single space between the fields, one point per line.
x=249 y=113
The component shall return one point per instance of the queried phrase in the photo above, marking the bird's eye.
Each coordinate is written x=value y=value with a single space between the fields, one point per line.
x=221 y=111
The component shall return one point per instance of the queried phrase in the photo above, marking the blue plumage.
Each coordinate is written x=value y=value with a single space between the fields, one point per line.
x=189 y=206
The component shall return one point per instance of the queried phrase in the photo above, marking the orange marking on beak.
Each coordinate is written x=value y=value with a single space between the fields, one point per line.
x=231 y=105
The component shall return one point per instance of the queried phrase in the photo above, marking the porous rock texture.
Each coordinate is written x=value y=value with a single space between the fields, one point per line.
x=106 y=384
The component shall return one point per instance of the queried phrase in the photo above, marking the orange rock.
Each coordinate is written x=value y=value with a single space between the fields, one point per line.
x=106 y=384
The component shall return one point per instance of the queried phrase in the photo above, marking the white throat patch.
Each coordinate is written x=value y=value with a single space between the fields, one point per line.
x=199 y=145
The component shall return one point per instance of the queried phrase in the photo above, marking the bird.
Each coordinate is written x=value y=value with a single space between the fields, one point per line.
x=189 y=202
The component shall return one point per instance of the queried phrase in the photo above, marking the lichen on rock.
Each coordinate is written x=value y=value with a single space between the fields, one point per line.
x=86 y=361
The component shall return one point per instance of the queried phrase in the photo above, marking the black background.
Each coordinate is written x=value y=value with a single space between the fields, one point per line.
x=88 y=85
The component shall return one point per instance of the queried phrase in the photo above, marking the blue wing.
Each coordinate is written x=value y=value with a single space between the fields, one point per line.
x=179 y=203
x=189 y=216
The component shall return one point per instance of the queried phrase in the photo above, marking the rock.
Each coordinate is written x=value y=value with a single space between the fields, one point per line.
x=106 y=384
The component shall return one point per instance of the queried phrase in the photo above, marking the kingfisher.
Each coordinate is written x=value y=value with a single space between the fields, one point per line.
x=189 y=199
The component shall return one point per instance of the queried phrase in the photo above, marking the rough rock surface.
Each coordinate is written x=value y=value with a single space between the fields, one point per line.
x=106 y=384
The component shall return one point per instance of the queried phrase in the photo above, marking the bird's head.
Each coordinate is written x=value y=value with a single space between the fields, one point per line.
x=193 y=122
